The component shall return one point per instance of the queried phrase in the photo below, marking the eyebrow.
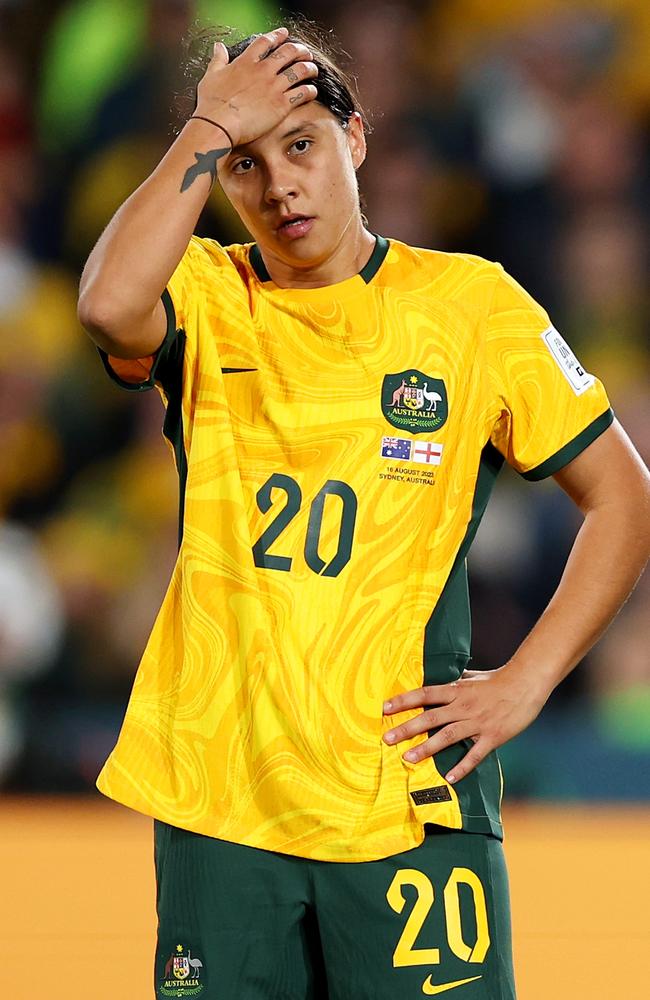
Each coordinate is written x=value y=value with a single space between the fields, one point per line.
x=287 y=135
x=299 y=128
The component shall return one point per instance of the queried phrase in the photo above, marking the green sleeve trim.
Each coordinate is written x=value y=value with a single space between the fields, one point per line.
x=161 y=353
x=572 y=449
x=170 y=313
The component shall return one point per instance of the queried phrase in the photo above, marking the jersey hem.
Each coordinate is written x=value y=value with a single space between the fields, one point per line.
x=470 y=824
x=572 y=449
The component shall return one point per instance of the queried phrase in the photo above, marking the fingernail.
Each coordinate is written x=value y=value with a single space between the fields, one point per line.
x=387 y=706
x=389 y=737
x=410 y=755
x=450 y=778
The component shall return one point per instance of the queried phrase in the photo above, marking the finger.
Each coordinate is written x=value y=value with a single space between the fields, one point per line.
x=265 y=44
x=472 y=758
x=299 y=71
x=220 y=56
x=290 y=52
x=302 y=95
x=420 y=724
x=432 y=694
x=453 y=733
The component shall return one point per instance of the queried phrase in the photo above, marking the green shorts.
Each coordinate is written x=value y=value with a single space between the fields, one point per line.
x=238 y=923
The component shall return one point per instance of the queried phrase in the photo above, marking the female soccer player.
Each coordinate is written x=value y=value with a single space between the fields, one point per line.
x=320 y=763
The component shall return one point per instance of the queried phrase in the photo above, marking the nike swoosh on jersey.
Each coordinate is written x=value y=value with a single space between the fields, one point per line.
x=231 y=371
x=433 y=991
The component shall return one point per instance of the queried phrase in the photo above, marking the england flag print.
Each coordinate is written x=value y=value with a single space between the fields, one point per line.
x=427 y=452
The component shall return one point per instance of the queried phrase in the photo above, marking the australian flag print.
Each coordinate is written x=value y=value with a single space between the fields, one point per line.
x=396 y=448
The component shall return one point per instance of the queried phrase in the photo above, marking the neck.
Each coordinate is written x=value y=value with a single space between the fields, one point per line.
x=347 y=258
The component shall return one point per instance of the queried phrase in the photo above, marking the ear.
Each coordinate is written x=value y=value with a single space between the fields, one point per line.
x=356 y=139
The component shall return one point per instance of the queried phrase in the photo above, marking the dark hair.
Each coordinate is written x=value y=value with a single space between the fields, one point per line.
x=336 y=88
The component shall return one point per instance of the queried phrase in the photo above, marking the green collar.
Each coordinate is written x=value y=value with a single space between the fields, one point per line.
x=367 y=273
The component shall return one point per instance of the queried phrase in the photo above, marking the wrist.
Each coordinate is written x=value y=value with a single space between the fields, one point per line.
x=214 y=124
x=534 y=683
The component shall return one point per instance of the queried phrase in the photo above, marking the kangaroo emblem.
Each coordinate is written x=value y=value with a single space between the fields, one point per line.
x=397 y=395
x=414 y=401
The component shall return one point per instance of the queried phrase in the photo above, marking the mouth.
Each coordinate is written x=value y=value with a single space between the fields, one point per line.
x=294 y=226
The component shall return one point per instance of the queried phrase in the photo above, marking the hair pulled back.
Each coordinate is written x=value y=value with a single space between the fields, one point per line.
x=336 y=89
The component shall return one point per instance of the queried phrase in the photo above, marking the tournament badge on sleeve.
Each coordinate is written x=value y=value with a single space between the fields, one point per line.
x=183 y=974
x=415 y=402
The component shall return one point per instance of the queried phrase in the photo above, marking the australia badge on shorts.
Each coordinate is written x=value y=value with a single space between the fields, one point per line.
x=415 y=402
x=183 y=974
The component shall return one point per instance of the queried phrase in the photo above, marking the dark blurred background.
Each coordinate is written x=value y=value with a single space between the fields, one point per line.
x=517 y=131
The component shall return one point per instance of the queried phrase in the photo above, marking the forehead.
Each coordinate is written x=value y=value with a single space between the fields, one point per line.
x=312 y=116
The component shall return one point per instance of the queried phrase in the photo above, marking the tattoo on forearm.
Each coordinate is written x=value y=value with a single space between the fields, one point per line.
x=206 y=163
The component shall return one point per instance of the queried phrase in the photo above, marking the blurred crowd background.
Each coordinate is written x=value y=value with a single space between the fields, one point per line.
x=514 y=129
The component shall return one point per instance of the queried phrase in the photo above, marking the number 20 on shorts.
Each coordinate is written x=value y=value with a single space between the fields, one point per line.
x=405 y=953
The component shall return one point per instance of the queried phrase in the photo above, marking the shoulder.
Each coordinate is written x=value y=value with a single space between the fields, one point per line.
x=449 y=274
x=205 y=252
x=215 y=269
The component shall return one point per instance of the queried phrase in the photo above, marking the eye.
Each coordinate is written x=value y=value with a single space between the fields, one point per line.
x=301 y=145
x=243 y=166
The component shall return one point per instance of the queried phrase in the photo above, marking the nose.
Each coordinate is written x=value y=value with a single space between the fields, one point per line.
x=280 y=184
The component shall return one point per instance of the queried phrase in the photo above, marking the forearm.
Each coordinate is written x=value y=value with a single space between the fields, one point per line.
x=491 y=706
x=606 y=560
x=144 y=242
x=119 y=301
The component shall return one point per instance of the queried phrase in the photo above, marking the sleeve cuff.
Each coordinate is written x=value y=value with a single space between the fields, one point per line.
x=571 y=450
x=143 y=385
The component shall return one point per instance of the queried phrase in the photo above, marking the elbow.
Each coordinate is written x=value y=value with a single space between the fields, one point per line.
x=636 y=497
x=104 y=325
x=96 y=318
x=89 y=318
x=120 y=331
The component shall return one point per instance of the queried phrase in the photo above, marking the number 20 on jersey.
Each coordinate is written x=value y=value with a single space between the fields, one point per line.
x=347 y=503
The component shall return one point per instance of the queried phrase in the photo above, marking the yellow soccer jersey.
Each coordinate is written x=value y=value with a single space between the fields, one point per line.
x=336 y=448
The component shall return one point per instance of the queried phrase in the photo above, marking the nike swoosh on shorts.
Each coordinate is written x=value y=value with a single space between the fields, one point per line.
x=433 y=991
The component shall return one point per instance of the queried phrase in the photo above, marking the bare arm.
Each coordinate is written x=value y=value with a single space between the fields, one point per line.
x=611 y=486
x=119 y=296
x=121 y=285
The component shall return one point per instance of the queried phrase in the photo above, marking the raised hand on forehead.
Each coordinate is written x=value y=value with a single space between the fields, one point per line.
x=256 y=91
